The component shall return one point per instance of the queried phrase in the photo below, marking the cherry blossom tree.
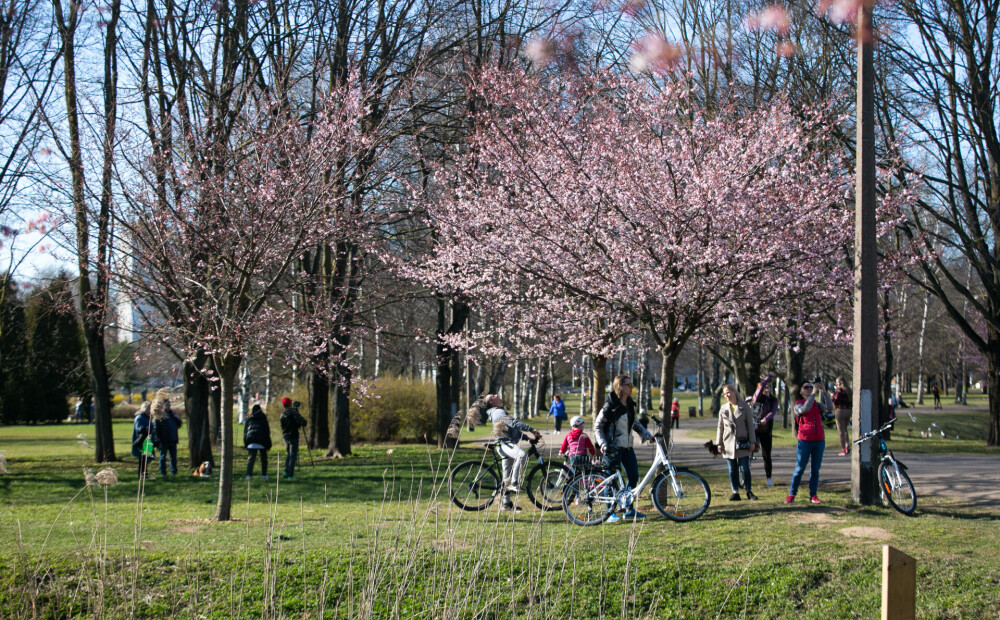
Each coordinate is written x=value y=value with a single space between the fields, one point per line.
x=589 y=204
x=212 y=253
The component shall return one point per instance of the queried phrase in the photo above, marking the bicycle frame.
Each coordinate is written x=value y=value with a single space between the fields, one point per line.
x=627 y=496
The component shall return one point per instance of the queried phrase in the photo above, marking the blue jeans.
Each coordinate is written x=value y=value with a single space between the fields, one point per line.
x=164 y=450
x=625 y=457
x=805 y=452
x=735 y=465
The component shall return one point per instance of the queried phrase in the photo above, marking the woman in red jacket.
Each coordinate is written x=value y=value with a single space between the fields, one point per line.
x=812 y=441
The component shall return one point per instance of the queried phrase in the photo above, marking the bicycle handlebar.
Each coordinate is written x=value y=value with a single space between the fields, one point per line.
x=875 y=433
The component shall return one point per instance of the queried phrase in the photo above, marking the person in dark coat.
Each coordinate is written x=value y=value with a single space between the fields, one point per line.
x=257 y=439
x=613 y=428
x=163 y=431
x=291 y=422
x=140 y=430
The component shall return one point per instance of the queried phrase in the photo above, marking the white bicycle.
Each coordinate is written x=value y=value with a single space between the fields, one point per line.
x=678 y=494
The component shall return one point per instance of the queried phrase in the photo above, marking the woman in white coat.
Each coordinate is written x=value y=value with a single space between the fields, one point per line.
x=736 y=439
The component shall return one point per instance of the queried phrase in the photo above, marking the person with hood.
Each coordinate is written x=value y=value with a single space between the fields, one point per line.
x=737 y=440
x=508 y=432
x=140 y=430
x=613 y=428
x=291 y=422
x=577 y=447
x=257 y=439
x=558 y=412
x=675 y=414
x=163 y=432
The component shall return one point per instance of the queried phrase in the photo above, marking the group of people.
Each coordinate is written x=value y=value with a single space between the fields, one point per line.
x=745 y=427
x=155 y=428
x=156 y=425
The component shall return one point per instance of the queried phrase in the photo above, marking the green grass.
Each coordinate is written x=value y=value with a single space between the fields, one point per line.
x=371 y=536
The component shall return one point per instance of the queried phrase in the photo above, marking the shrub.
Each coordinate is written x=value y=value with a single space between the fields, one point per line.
x=123 y=412
x=397 y=409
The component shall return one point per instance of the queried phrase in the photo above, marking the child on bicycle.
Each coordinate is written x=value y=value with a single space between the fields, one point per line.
x=577 y=446
x=508 y=432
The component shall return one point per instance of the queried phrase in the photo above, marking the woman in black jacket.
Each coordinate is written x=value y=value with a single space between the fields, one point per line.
x=257 y=439
x=613 y=428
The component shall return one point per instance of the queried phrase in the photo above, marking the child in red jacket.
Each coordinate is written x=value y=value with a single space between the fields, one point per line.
x=577 y=446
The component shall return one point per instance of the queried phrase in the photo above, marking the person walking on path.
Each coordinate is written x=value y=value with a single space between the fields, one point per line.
x=737 y=440
x=140 y=431
x=257 y=439
x=764 y=406
x=508 y=432
x=936 y=392
x=842 y=413
x=163 y=431
x=675 y=414
x=613 y=428
x=291 y=422
x=558 y=412
x=811 y=443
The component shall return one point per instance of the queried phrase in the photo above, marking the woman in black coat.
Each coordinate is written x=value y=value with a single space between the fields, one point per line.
x=257 y=439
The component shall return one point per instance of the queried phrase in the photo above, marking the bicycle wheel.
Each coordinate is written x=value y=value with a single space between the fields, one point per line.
x=545 y=484
x=584 y=503
x=897 y=489
x=473 y=485
x=689 y=503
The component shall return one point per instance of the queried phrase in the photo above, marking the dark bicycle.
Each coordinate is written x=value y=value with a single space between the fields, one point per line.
x=894 y=484
x=474 y=485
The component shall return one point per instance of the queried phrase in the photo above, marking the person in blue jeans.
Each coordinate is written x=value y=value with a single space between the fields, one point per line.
x=812 y=443
x=613 y=428
x=163 y=433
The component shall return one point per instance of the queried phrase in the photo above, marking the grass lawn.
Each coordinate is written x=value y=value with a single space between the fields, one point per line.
x=374 y=535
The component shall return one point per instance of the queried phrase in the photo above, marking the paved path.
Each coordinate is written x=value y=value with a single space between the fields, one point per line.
x=974 y=479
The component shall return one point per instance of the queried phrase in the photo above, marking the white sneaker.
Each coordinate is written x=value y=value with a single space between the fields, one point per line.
x=513 y=488
x=769 y=483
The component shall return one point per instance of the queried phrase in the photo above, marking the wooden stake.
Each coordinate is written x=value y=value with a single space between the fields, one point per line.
x=899 y=585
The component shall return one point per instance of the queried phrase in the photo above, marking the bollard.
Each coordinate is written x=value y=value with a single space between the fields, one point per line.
x=692 y=412
x=899 y=585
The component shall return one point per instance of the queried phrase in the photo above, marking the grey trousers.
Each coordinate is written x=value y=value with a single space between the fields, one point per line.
x=513 y=461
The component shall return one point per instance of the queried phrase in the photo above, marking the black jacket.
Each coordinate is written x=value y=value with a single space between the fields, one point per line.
x=607 y=420
x=291 y=422
x=164 y=432
x=257 y=430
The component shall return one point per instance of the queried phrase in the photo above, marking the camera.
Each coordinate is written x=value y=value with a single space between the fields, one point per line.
x=742 y=445
x=296 y=404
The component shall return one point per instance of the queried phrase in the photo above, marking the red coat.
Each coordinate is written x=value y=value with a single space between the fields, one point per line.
x=810 y=423
x=675 y=410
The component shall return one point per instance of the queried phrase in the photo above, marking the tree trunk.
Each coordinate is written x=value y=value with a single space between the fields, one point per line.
x=227 y=366
x=921 y=385
x=516 y=405
x=701 y=380
x=245 y=390
x=794 y=362
x=497 y=376
x=599 y=381
x=542 y=389
x=993 y=385
x=196 y=391
x=340 y=443
x=667 y=381
x=92 y=303
x=318 y=386
x=214 y=403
